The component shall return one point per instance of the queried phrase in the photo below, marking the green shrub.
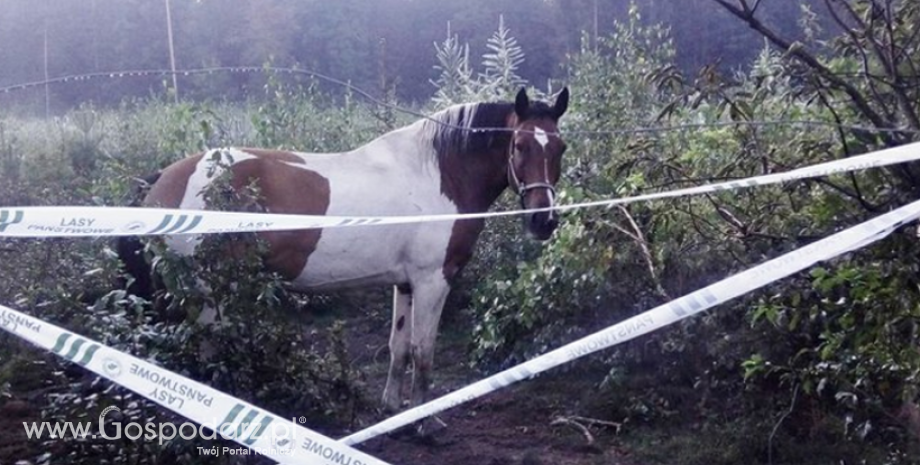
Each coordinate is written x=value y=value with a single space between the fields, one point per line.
x=267 y=353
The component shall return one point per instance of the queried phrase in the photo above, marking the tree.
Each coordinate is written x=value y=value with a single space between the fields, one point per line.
x=875 y=67
x=455 y=77
x=501 y=63
x=853 y=329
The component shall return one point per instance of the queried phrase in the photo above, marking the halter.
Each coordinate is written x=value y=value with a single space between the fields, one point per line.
x=521 y=188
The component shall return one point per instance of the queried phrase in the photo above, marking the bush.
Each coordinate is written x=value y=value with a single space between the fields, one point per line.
x=267 y=353
x=845 y=335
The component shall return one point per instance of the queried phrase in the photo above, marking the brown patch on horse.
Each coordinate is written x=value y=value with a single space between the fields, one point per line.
x=463 y=238
x=463 y=175
x=279 y=155
x=285 y=190
x=168 y=190
x=476 y=165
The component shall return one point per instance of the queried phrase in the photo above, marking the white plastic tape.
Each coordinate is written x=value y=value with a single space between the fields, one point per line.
x=231 y=418
x=661 y=316
x=75 y=221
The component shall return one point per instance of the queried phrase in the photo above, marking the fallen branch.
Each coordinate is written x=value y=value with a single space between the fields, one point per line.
x=795 y=394
x=574 y=424
x=581 y=424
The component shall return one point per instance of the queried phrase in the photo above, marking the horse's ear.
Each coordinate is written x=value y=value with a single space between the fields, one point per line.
x=521 y=103
x=562 y=103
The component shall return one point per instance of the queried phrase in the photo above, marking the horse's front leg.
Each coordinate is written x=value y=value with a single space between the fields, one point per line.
x=400 y=336
x=429 y=297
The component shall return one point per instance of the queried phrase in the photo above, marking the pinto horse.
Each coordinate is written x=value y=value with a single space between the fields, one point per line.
x=457 y=161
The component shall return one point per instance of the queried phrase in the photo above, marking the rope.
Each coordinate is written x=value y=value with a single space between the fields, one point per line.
x=371 y=98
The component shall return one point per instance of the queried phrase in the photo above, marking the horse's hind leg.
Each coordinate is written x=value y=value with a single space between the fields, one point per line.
x=400 y=336
x=207 y=318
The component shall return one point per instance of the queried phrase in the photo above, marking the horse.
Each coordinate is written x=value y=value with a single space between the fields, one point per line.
x=459 y=160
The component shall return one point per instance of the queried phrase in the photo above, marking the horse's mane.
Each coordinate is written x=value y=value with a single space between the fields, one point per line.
x=454 y=130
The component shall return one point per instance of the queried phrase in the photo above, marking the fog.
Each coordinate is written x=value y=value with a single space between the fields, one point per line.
x=372 y=44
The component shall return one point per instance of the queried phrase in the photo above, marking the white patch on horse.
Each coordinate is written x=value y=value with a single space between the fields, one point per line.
x=212 y=163
x=540 y=136
x=385 y=177
x=550 y=194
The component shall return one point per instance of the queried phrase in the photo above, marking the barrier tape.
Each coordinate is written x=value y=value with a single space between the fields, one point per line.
x=842 y=242
x=76 y=221
x=229 y=417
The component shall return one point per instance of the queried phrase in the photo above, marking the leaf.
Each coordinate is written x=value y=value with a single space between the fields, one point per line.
x=794 y=321
x=847 y=398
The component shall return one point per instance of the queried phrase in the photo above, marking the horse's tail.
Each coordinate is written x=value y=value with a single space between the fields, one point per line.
x=130 y=251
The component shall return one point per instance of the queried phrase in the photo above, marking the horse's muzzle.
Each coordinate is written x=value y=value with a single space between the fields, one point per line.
x=541 y=225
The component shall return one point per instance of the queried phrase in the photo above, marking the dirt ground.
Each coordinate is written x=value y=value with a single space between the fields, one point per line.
x=512 y=426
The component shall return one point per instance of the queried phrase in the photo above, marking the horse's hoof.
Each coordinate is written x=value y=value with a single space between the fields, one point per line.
x=385 y=411
x=430 y=426
x=422 y=432
x=403 y=433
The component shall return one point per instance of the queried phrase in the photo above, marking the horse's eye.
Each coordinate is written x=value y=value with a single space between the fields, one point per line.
x=518 y=147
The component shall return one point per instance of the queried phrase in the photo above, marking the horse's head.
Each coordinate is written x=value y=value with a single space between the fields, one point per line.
x=535 y=159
